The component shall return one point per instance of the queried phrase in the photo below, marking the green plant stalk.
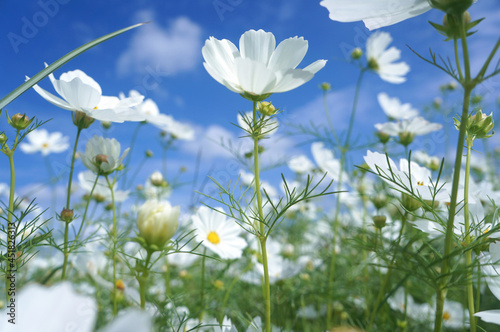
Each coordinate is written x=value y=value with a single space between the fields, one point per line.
x=383 y=287
x=468 y=85
x=343 y=152
x=66 y=227
x=468 y=253
x=202 y=290
x=143 y=280
x=262 y=233
x=115 y=240
x=11 y=227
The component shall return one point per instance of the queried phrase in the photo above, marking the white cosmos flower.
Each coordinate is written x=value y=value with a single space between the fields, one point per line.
x=301 y=164
x=326 y=161
x=393 y=108
x=39 y=140
x=259 y=67
x=375 y=13
x=381 y=60
x=102 y=155
x=414 y=126
x=218 y=233
x=80 y=93
x=176 y=129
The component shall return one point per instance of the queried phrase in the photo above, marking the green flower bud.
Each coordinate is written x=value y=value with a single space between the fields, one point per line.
x=157 y=223
x=19 y=121
x=149 y=153
x=106 y=124
x=382 y=137
x=476 y=99
x=480 y=125
x=410 y=203
x=3 y=138
x=379 y=201
x=82 y=120
x=379 y=221
x=266 y=108
x=356 y=53
x=325 y=86
x=451 y=6
x=66 y=215
x=405 y=138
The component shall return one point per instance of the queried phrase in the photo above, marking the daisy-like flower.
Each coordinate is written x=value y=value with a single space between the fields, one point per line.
x=258 y=68
x=218 y=233
x=382 y=60
x=301 y=164
x=81 y=93
x=375 y=13
x=407 y=129
x=102 y=155
x=176 y=129
x=393 y=108
x=39 y=140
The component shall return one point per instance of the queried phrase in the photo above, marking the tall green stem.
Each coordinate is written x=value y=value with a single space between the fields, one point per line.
x=143 y=280
x=68 y=198
x=262 y=228
x=115 y=241
x=202 y=289
x=468 y=85
x=468 y=253
x=343 y=156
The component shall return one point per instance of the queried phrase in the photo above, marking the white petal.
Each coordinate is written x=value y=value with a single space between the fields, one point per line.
x=315 y=66
x=53 y=99
x=79 y=94
x=131 y=320
x=257 y=45
x=288 y=54
x=489 y=316
x=219 y=55
x=292 y=79
x=254 y=77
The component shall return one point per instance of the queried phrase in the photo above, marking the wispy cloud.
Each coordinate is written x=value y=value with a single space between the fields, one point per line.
x=169 y=51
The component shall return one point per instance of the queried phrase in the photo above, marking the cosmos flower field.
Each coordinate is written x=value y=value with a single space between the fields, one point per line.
x=403 y=241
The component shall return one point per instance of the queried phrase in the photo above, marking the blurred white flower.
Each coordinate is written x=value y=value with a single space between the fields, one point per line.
x=259 y=67
x=327 y=162
x=393 y=108
x=413 y=126
x=39 y=140
x=102 y=155
x=375 y=13
x=176 y=129
x=81 y=93
x=218 y=233
x=381 y=60
x=301 y=164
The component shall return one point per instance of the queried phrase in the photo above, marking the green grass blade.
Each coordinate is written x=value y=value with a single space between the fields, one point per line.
x=58 y=63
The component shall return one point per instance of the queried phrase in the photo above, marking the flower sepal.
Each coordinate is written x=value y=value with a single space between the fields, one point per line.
x=256 y=98
x=451 y=27
x=452 y=6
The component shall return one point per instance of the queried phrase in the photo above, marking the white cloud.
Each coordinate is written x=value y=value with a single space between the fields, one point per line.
x=166 y=50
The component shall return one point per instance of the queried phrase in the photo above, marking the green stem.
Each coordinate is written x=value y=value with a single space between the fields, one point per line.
x=143 y=280
x=11 y=227
x=202 y=290
x=457 y=59
x=468 y=86
x=343 y=156
x=262 y=233
x=383 y=288
x=66 y=228
x=115 y=241
x=468 y=253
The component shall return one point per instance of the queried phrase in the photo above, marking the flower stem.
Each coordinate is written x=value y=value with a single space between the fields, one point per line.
x=68 y=198
x=115 y=240
x=143 y=280
x=262 y=232
x=468 y=84
x=202 y=289
x=468 y=253
x=343 y=152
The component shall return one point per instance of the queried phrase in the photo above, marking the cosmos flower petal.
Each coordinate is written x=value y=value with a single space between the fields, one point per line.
x=257 y=45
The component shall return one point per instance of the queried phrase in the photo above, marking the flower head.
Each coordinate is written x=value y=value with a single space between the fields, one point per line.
x=258 y=68
x=218 y=233
x=39 y=140
x=407 y=129
x=393 y=108
x=157 y=222
x=381 y=60
x=80 y=93
x=102 y=155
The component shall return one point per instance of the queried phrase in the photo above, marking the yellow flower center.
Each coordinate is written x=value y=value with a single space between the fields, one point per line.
x=446 y=315
x=120 y=285
x=95 y=107
x=45 y=145
x=420 y=183
x=213 y=237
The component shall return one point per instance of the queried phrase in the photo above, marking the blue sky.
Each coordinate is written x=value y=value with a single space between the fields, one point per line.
x=163 y=61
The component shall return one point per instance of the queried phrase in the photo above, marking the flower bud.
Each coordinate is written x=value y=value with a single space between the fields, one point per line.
x=157 y=223
x=451 y=6
x=219 y=284
x=405 y=138
x=266 y=108
x=19 y=121
x=66 y=215
x=356 y=53
x=410 y=203
x=106 y=124
x=476 y=99
x=3 y=138
x=382 y=137
x=480 y=125
x=379 y=221
x=157 y=180
x=149 y=153
x=325 y=86
x=379 y=201
x=82 y=120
